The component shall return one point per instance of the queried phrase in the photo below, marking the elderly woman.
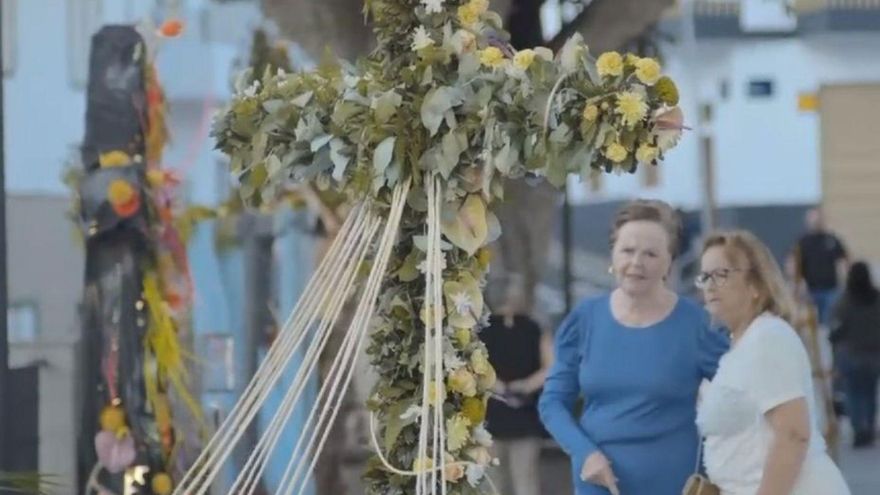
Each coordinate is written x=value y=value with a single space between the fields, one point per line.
x=758 y=414
x=638 y=356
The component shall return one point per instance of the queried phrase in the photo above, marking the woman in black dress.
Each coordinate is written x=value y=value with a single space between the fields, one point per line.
x=521 y=354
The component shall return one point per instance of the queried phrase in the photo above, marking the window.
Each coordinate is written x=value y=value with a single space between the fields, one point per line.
x=760 y=88
x=83 y=20
x=10 y=17
x=22 y=322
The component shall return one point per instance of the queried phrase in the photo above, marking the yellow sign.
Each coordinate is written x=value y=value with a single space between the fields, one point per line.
x=808 y=102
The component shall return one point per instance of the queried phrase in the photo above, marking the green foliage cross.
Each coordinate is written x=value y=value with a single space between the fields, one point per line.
x=444 y=95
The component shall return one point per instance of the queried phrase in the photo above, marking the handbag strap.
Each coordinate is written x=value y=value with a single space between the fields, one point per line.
x=699 y=454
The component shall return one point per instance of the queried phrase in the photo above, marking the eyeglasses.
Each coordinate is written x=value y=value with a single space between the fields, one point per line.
x=717 y=277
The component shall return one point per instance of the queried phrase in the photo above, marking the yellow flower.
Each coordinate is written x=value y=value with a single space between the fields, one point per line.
x=610 y=64
x=114 y=158
x=631 y=59
x=112 y=419
x=591 y=113
x=454 y=470
x=463 y=336
x=463 y=382
x=474 y=409
x=484 y=256
x=492 y=57
x=615 y=152
x=436 y=393
x=481 y=6
x=480 y=363
x=457 y=432
x=667 y=91
x=468 y=14
x=422 y=464
x=155 y=177
x=648 y=71
x=647 y=153
x=161 y=484
x=523 y=59
x=632 y=107
x=487 y=380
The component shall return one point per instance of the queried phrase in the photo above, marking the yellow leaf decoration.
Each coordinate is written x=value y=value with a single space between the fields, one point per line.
x=465 y=224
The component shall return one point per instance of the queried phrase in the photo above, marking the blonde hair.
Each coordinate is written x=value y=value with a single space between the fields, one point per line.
x=762 y=272
x=649 y=210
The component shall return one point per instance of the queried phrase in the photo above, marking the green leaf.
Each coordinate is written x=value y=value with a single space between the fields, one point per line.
x=340 y=160
x=452 y=145
x=382 y=155
x=561 y=135
x=272 y=106
x=257 y=175
x=408 y=270
x=273 y=165
x=505 y=158
x=344 y=111
x=435 y=105
x=303 y=99
x=385 y=105
x=319 y=142
x=395 y=424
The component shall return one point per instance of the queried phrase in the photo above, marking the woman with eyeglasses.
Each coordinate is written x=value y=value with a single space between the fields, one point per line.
x=758 y=413
x=637 y=356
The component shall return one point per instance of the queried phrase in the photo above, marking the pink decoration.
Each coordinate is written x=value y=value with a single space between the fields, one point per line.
x=114 y=453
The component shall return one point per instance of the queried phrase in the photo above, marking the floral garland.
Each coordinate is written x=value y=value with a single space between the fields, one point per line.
x=444 y=94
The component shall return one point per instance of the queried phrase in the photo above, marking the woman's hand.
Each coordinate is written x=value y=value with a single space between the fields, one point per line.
x=499 y=388
x=597 y=470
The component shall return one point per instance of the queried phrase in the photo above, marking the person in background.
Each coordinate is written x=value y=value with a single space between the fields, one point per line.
x=822 y=261
x=855 y=329
x=638 y=356
x=521 y=354
x=758 y=413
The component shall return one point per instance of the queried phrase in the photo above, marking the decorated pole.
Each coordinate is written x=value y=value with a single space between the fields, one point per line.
x=420 y=135
x=137 y=289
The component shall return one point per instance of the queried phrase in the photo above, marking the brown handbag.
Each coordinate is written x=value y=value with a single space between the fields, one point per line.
x=697 y=484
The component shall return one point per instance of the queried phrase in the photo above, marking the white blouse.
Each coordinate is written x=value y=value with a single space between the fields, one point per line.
x=768 y=367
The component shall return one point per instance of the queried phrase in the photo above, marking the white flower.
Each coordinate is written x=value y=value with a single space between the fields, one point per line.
x=475 y=473
x=482 y=436
x=411 y=414
x=251 y=91
x=423 y=265
x=433 y=6
x=462 y=302
x=421 y=39
x=451 y=360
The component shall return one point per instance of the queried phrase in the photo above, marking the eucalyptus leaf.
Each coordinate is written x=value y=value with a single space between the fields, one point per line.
x=383 y=154
x=437 y=101
x=339 y=158
x=385 y=105
x=395 y=423
x=272 y=106
x=303 y=99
